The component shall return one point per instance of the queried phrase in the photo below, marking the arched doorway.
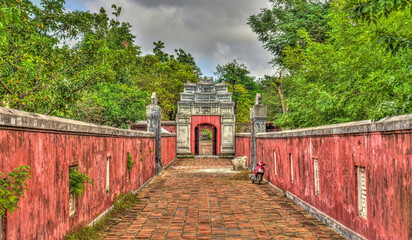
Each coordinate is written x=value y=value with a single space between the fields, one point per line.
x=206 y=122
x=199 y=143
x=205 y=102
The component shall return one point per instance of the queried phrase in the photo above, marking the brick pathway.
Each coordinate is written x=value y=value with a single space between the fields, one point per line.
x=193 y=199
x=205 y=148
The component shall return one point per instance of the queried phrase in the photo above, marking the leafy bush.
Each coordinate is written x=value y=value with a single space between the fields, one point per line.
x=130 y=162
x=12 y=188
x=77 y=182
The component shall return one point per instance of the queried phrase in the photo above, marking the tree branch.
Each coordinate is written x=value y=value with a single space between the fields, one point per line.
x=5 y=87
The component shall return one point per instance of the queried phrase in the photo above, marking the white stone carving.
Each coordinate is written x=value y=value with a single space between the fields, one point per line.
x=362 y=198
x=205 y=98
x=291 y=167
x=239 y=163
x=108 y=175
x=316 y=175
x=72 y=205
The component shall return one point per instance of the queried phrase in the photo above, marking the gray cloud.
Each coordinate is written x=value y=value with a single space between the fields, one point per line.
x=213 y=31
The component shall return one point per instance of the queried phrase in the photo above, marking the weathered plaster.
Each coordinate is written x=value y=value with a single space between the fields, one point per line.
x=50 y=145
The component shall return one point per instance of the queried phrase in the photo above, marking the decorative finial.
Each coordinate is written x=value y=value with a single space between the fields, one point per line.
x=154 y=98
x=258 y=99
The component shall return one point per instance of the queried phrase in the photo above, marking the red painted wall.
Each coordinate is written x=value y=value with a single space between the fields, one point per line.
x=171 y=129
x=242 y=148
x=168 y=149
x=44 y=212
x=197 y=120
x=387 y=157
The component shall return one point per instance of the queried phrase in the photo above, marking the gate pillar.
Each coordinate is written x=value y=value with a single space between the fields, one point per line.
x=154 y=116
x=258 y=115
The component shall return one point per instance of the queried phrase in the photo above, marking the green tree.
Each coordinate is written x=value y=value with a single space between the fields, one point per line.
x=187 y=58
x=117 y=101
x=241 y=84
x=277 y=28
x=166 y=79
x=37 y=72
x=371 y=11
x=275 y=89
x=113 y=104
x=159 y=53
x=84 y=65
x=349 y=77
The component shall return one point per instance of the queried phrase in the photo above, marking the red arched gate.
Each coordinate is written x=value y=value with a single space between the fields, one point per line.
x=205 y=122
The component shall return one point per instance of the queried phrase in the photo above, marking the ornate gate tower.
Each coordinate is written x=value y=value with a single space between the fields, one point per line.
x=205 y=105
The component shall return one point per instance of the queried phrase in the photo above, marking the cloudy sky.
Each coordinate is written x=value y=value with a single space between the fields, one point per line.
x=213 y=31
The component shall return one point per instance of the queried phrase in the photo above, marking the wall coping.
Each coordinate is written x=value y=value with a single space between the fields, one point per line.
x=168 y=123
x=20 y=119
x=396 y=123
x=169 y=134
x=242 y=134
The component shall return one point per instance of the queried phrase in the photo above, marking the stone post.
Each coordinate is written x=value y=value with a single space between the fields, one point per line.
x=258 y=115
x=154 y=116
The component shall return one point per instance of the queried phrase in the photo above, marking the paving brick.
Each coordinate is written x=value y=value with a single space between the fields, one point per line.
x=193 y=200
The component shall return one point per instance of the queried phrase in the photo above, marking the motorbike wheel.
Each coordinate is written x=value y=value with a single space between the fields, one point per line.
x=259 y=178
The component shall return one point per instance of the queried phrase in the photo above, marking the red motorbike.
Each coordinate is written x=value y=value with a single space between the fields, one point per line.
x=258 y=173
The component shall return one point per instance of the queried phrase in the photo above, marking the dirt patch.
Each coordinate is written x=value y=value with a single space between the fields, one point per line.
x=243 y=175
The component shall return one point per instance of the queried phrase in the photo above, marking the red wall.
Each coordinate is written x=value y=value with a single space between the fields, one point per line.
x=387 y=158
x=171 y=129
x=168 y=149
x=44 y=212
x=242 y=147
x=197 y=120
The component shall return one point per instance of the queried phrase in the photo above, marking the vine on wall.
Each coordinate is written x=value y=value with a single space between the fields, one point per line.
x=130 y=162
x=12 y=188
x=77 y=182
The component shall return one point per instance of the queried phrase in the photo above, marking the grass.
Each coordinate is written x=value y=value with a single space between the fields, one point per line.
x=122 y=203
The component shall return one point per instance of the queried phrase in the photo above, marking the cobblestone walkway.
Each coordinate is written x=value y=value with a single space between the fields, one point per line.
x=193 y=199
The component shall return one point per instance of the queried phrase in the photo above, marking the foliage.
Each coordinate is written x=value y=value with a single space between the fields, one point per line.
x=350 y=77
x=187 y=58
x=208 y=133
x=241 y=84
x=277 y=28
x=274 y=92
x=40 y=70
x=245 y=99
x=113 y=104
x=341 y=61
x=371 y=11
x=121 y=204
x=77 y=182
x=84 y=65
x=130 y=162
x=12 y=188
x=166 y=78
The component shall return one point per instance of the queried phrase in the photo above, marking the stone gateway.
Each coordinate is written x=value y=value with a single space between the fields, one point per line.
x=206 y=105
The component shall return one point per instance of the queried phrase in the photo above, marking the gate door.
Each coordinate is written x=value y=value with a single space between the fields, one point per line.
x=214 y=141
x=197 y=141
